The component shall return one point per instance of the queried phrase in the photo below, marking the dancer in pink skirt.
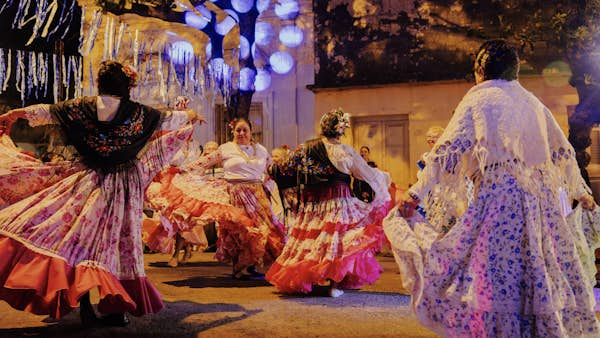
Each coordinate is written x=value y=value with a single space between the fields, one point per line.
x=77 y=225
x=334 y=237
x=250 y=236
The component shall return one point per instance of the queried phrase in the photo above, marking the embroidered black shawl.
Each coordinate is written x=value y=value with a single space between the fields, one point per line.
x=106 y=145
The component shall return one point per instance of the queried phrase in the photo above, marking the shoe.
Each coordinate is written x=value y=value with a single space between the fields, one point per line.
x=174 y=262
x=115 y=319
x=334 y=293
x=251 y=270
x=86 y=312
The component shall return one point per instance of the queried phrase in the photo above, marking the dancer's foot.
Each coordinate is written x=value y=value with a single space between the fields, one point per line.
x=115 y=319
x=86 y=312
x=174 y=262
x=187 y=254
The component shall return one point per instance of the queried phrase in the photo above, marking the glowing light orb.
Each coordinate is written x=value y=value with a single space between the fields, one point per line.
x=262 y=5
x=262 y=80
x=557 y=74
x=244 y=47
x=281 y=62
x=242 y=6
x=194 y=20
x=263 y=33
x=225 y=26
x=181 y=52
x=247 y=76
x=208 y=50
x=287 y=9
x=291 y=36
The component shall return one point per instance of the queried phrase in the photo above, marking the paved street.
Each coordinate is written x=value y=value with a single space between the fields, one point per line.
x=203 y=301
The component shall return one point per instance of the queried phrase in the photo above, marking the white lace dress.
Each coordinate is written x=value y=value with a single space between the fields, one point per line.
x=509 y=267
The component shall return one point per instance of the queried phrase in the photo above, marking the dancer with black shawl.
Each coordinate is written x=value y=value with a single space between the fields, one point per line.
x=77 y=225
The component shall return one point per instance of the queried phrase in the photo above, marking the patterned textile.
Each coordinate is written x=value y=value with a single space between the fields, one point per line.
x=334 y=237
x=510 y=266
x=78 y=229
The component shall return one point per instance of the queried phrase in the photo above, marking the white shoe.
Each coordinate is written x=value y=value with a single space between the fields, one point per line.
x=334 y=293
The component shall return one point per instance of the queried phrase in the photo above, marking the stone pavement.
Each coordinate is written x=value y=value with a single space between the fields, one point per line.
x=203 y=301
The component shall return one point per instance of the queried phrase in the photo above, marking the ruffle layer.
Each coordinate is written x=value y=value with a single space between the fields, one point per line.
x=336 y=240
x=46 y=285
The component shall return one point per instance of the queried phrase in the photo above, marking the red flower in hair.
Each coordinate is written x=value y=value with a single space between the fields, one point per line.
x=132 y=75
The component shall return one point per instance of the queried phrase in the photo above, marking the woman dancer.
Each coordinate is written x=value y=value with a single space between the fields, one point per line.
x=335 y=236
x=509 y=267
x=250 y=235
x=78 y=226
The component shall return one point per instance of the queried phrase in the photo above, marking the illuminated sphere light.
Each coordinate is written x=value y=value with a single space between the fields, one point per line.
x=233 y=14
x=287 y=9
x=247 y=76
x=242 y=6
x=291 y=36
x=263 y=33
x=208 y=50
x=225 y=26
x=181 y=52
x=194 y=20
x=262 y=5
x=557 y=74
x=262 y=81
x=244 y=47
x=281 y=62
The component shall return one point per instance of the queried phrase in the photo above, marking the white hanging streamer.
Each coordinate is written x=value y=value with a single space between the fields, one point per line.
x=2 y=67
x=106 y=34
x=21 y=76
x=56 y=77
x=117 y=45
x=8 y=69
x=90 y=38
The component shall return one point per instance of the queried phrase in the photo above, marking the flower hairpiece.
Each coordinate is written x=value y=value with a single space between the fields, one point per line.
x=182 y=102
x=343 y=120
x=131 y=74
x=231 y=124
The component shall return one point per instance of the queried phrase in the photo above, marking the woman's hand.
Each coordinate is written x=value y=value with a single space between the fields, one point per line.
x=407 y=204
x=7 y=119
x=587 y=202
x=194 y=116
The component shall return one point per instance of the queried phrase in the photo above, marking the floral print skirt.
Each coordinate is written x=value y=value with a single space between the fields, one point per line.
x=508 y=268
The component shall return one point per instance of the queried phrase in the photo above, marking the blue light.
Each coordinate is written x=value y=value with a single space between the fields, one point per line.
x=242 y=6
x=247 y=76
x=262 y=5
x=287 y=9
x=225 y=26
x=181 y=52
x=244 y=47
x=281 y=62
x=263 y=33
x=193 y=20
x=208 y=50
x=291 y=36
x=262 y=81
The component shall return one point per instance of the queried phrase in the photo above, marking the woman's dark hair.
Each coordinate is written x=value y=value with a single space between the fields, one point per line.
x=328 y=124
x=241 y=119
x=498 y=60
x=112 y=80
x=365 y=147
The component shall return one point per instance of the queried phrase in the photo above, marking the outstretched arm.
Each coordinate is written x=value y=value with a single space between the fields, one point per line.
x=36 y=115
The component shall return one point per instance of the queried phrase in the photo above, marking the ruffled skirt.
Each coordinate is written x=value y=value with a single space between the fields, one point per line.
x=249 y=234
x=75 y=230
x=334 y=238
x=508 y=268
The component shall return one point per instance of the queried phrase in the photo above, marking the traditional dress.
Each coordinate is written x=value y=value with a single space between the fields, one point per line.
x=78 y=225
x=335 y=236
x=509 y=267
x=249 y=233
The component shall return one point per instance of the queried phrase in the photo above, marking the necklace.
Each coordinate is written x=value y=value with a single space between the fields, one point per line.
x=243 y=153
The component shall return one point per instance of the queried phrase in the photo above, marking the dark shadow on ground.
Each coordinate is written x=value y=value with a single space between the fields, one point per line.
x=187 y=265
x=351 y=298
x=225 y=281
x=170 y=322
